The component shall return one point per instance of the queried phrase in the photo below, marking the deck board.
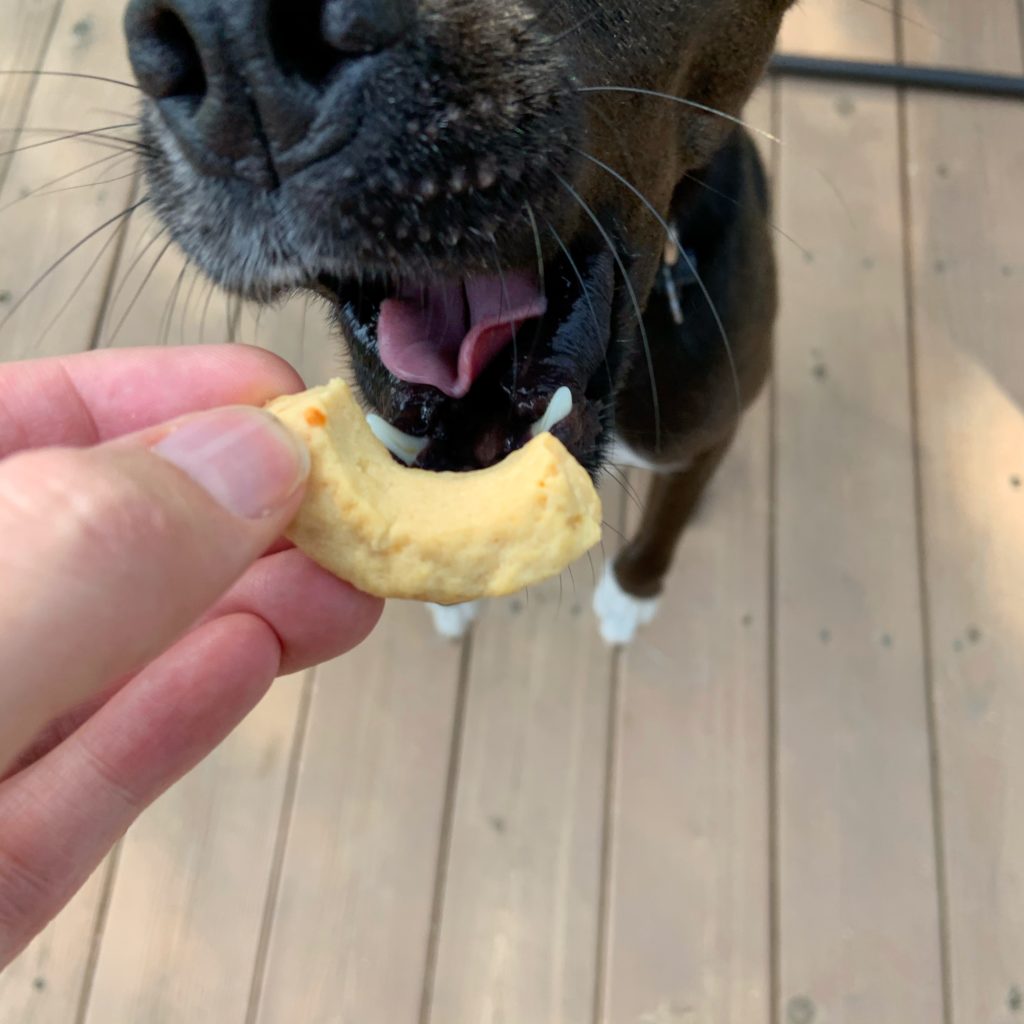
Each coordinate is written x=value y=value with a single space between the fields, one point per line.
x=858 y=896
x=966 y=159
x=354 y=909
x=523 y=877
x=688 y=924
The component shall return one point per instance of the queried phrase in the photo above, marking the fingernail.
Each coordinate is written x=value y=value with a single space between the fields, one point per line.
x=242 y=457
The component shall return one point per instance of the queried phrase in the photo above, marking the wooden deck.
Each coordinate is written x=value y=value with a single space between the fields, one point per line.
x=799 y=799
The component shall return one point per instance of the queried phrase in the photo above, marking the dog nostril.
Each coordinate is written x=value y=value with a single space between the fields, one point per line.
x=312 y=38
x=296 y=34
x=164 y=56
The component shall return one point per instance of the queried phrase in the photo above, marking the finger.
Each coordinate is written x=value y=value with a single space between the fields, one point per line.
x=109 y=554
x=94 y=396
x=63 y=814
x=316 y=616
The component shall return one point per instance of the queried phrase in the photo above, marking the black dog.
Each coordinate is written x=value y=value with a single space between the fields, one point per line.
x=520 y=211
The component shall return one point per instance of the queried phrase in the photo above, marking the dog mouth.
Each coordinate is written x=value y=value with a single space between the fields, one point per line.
x=461 y=371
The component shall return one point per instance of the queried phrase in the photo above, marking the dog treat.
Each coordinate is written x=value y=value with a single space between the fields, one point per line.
x=397 y=532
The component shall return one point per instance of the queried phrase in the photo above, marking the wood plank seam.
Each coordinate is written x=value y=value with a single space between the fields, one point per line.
x=629 y=492
x=910 y=287
x=445 y=843
x=601 y=943
x=772 y=665
x=283 y=829
x=98 y=932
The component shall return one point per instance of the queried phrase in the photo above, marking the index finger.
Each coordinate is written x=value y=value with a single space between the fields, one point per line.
x=95 y=396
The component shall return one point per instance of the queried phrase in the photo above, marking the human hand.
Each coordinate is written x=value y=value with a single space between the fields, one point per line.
x=146 y=602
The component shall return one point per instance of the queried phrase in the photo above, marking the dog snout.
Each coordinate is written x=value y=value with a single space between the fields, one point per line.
x=257 y=89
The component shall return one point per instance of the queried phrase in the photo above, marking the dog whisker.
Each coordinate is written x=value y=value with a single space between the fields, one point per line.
x=685 y=102
x=671 y=236
x=899 y=14
x=614 y=529
x=210 y=292
x=53 y=267
x=538 y=245
x=628 y=284
x=77 y=289
x=622 y=480
x=585 y=20
x=583 y=288
x=739 y=206
x=134 y=261
x=38 y=190
x=139 y=291
x=83 y=134
x=167 y=317
x=196 y=276
x=72 y=74
x=89 y=184
x=505 y=304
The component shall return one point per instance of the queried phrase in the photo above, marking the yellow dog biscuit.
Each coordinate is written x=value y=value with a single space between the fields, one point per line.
x=425 y=536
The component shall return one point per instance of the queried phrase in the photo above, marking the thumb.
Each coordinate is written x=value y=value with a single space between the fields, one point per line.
x=108 y=555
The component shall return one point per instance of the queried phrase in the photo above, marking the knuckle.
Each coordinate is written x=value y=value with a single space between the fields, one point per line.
x=107 y=780
x=25 y=894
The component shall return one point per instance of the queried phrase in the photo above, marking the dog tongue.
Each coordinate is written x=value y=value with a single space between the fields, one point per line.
x=445 y=335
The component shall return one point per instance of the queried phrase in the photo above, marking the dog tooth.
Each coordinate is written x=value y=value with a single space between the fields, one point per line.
x=403 y=446
x=558 y=409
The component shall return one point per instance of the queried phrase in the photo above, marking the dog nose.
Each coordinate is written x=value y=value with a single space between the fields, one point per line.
x=256 y=88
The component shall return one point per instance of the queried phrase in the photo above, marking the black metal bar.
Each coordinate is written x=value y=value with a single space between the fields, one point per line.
x=913 y=76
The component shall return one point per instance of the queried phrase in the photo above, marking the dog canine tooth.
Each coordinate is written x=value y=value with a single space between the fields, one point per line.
x=404 y=447
x=558 y=409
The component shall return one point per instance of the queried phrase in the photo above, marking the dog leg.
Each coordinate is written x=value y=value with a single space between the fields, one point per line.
x=627 y=596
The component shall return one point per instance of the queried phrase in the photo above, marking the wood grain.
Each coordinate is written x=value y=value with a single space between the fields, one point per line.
x=354 y=910
x=845 y=29
x=965 y=162
x=522 y=898
x=982 y=36
x=28 y=25
x=60 y=315
x=183 y=929
x=46 y=984
x=858 y=893
x=687 y=932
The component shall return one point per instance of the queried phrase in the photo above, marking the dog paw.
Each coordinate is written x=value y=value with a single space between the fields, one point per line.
x=620 y=615
x=453 y=621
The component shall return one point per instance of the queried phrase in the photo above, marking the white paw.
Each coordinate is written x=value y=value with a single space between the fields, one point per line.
x=453 y=621
x=620 y=615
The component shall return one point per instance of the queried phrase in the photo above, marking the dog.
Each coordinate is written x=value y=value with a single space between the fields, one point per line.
x=522 y=213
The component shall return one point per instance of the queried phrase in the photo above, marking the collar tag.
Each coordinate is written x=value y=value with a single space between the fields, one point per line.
x=678 y=271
